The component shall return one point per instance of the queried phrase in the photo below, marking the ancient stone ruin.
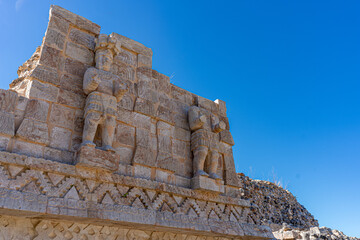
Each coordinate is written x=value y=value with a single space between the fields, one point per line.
x=95 y=144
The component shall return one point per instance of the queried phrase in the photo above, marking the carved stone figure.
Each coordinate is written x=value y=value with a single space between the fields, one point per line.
x=205 y=127
x=104 y=90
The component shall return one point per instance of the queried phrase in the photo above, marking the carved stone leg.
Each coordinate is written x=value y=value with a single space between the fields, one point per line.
x=108 y=130
x=90 y=126
x=200 y=154
x=214 y=165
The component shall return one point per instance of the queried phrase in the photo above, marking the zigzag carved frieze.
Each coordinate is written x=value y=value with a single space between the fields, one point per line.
x=23 y=178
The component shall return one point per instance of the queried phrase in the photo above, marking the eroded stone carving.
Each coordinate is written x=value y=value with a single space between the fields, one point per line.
x=104 y=90
x=205 y=127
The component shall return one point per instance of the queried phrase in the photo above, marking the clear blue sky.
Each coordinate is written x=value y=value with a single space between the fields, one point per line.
x=288 y=70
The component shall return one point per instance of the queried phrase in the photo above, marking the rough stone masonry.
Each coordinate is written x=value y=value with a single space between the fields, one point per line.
x=95 y=144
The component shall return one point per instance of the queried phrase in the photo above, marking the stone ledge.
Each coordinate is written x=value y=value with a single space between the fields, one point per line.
x=207 y=184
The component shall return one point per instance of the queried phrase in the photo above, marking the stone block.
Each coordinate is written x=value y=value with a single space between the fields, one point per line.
x=145 y=106
x=29 y=149
x=59 y=24
x=126 y=153
x=181 y=121
x=145 y=156
x=37 y=110
x=180 y=148
x=94 y=158
x=58 y=155
x=4 y=142
x=142 y=137
x=54 y=39
x=76 y=141
x=7 y=123
x=125 y=134
x=82 y=38
x=127 y=102
x=182 y=134
x=231 y=178
x=164 y=144
x=165 y=176
x=50 y=57
x=127 y=57
x=79 y=121
x=60 y=138
x=34 y=131
x=141 y=171
x=165 y=114
x=166 y=161
x=72 y=83
x=144 y=61
x=75 y=67
x=123 y=70
x=79 y=53
x=22 y=103
x=19 y=116
x=226 y=137
x=77 y=20
x=182 y=181
x=62 y=116
x=208 y=184
x=8 y=100
x=182 y=95
x=165 y=129
x=146 y=91
x=71 y=99
x=45 y=74
x=131 y=44
x=44 y=91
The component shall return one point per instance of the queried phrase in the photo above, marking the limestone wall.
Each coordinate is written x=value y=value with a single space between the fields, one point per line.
x=152 y=133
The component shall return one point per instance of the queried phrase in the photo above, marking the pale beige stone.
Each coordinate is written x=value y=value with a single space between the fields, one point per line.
x=34 y=131
x=7 y=123
x=142 y=171
x=79 y=53
x=125 y=134
x=90 y=157
x=8 y=100
x=62 y=116
x=82 y=38
x=60 y=138
x=44 y=91
x=55 y=39
x=37 y=110
x=26 y=148
x=4 y=141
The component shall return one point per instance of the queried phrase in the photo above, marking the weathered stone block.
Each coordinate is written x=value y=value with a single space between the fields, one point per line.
x=8 y=100
x=59 y=155
x=59 y=24
x=127 y=57
x=141 y=171
x=165 y=176
x=180 y=148
x=145 y=106
x=144 y=61
x=37 y=110
x=60 y=138
x=26 y=148
x=33 y=130
x=125 y=134
x=71 y=99
x=62 y=116
x=89 y=157
x=222 y=106
x=79 y=53
x=4 y=141
x=43 y=91
x=50 y=56
x=164 y=144
x=144 y=155
x=45 y=74
x=82 y=38
x=165 y=114
x=131 y=44
x=7 y=123
x=123 y=70
x=182 y=181
x=182 y=134
x=126 y=153
x=127 y=102
x=72 y=83
x=226 y=137
x=75 y=67
x=55 y=39
x=166 y=161
x=165 y=129
x=208 y=184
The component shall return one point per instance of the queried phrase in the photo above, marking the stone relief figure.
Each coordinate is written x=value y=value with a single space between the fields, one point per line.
x=104 y=90
x=205 y=127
